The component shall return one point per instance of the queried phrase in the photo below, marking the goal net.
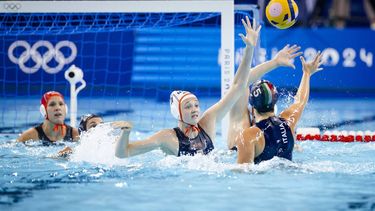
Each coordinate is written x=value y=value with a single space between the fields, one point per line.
x=132 y=54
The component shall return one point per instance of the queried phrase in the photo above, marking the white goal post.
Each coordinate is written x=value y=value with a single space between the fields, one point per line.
x=224 y=7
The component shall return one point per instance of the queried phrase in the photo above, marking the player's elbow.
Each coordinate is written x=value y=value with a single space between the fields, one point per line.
x=122 y=153
x=22 y=139
x=300 y=103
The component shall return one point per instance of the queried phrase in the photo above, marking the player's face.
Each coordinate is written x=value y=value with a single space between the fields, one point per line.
x=190 y=110
x=56 y=110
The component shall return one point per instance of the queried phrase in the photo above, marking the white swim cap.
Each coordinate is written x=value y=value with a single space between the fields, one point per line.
x=175 y=102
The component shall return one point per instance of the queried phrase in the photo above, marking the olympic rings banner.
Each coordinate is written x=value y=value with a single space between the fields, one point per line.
x=32 y=63
x=41 y=61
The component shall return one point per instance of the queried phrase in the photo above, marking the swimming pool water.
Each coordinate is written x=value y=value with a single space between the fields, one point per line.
x=324 y=176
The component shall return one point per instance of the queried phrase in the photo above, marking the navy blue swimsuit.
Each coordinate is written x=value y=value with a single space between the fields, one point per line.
x=46 y=141
x=187 y=146
x=279 y=139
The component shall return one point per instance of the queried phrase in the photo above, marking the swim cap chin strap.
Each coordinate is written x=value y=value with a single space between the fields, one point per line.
x=59 y=126
x=191 y=128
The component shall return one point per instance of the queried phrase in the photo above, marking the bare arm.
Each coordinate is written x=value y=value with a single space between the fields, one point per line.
x=30 y=134
x=122 y=144
x=75 y=134
x=247 y=144
x=166 y=140
x=250 y=40
x=238 y=118
x=294 y=112
x=282 y=59
x=217 y=112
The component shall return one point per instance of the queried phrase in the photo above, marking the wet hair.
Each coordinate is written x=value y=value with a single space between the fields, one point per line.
x=84 y=119
x=263 y=96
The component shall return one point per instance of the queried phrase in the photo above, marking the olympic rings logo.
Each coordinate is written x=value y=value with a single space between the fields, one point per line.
x=12 y=6
x=42 y=60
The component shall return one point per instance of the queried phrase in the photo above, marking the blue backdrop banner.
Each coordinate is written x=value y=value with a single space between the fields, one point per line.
x=123 y=62
x=348 y=56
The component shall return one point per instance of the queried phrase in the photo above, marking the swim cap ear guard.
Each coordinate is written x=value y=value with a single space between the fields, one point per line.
x=44 y=102
x=263 y=96
x=175 y=100
x=42 y=110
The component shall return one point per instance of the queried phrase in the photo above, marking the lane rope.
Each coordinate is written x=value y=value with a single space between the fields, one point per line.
x=315 y=134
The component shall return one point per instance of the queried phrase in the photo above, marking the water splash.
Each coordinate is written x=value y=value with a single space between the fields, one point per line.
x=97 y=146
x=211 y=163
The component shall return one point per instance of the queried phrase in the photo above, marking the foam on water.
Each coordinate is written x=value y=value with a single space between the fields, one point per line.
x=97 y=146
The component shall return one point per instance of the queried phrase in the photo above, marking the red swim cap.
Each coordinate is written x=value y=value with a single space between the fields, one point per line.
x=48 y=95
x=44 y=101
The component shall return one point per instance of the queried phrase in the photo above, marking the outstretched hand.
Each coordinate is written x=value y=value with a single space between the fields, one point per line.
x=252 y=32
x=123 y=125
x=284 y=56
x=312 y=66
x=65 y=152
